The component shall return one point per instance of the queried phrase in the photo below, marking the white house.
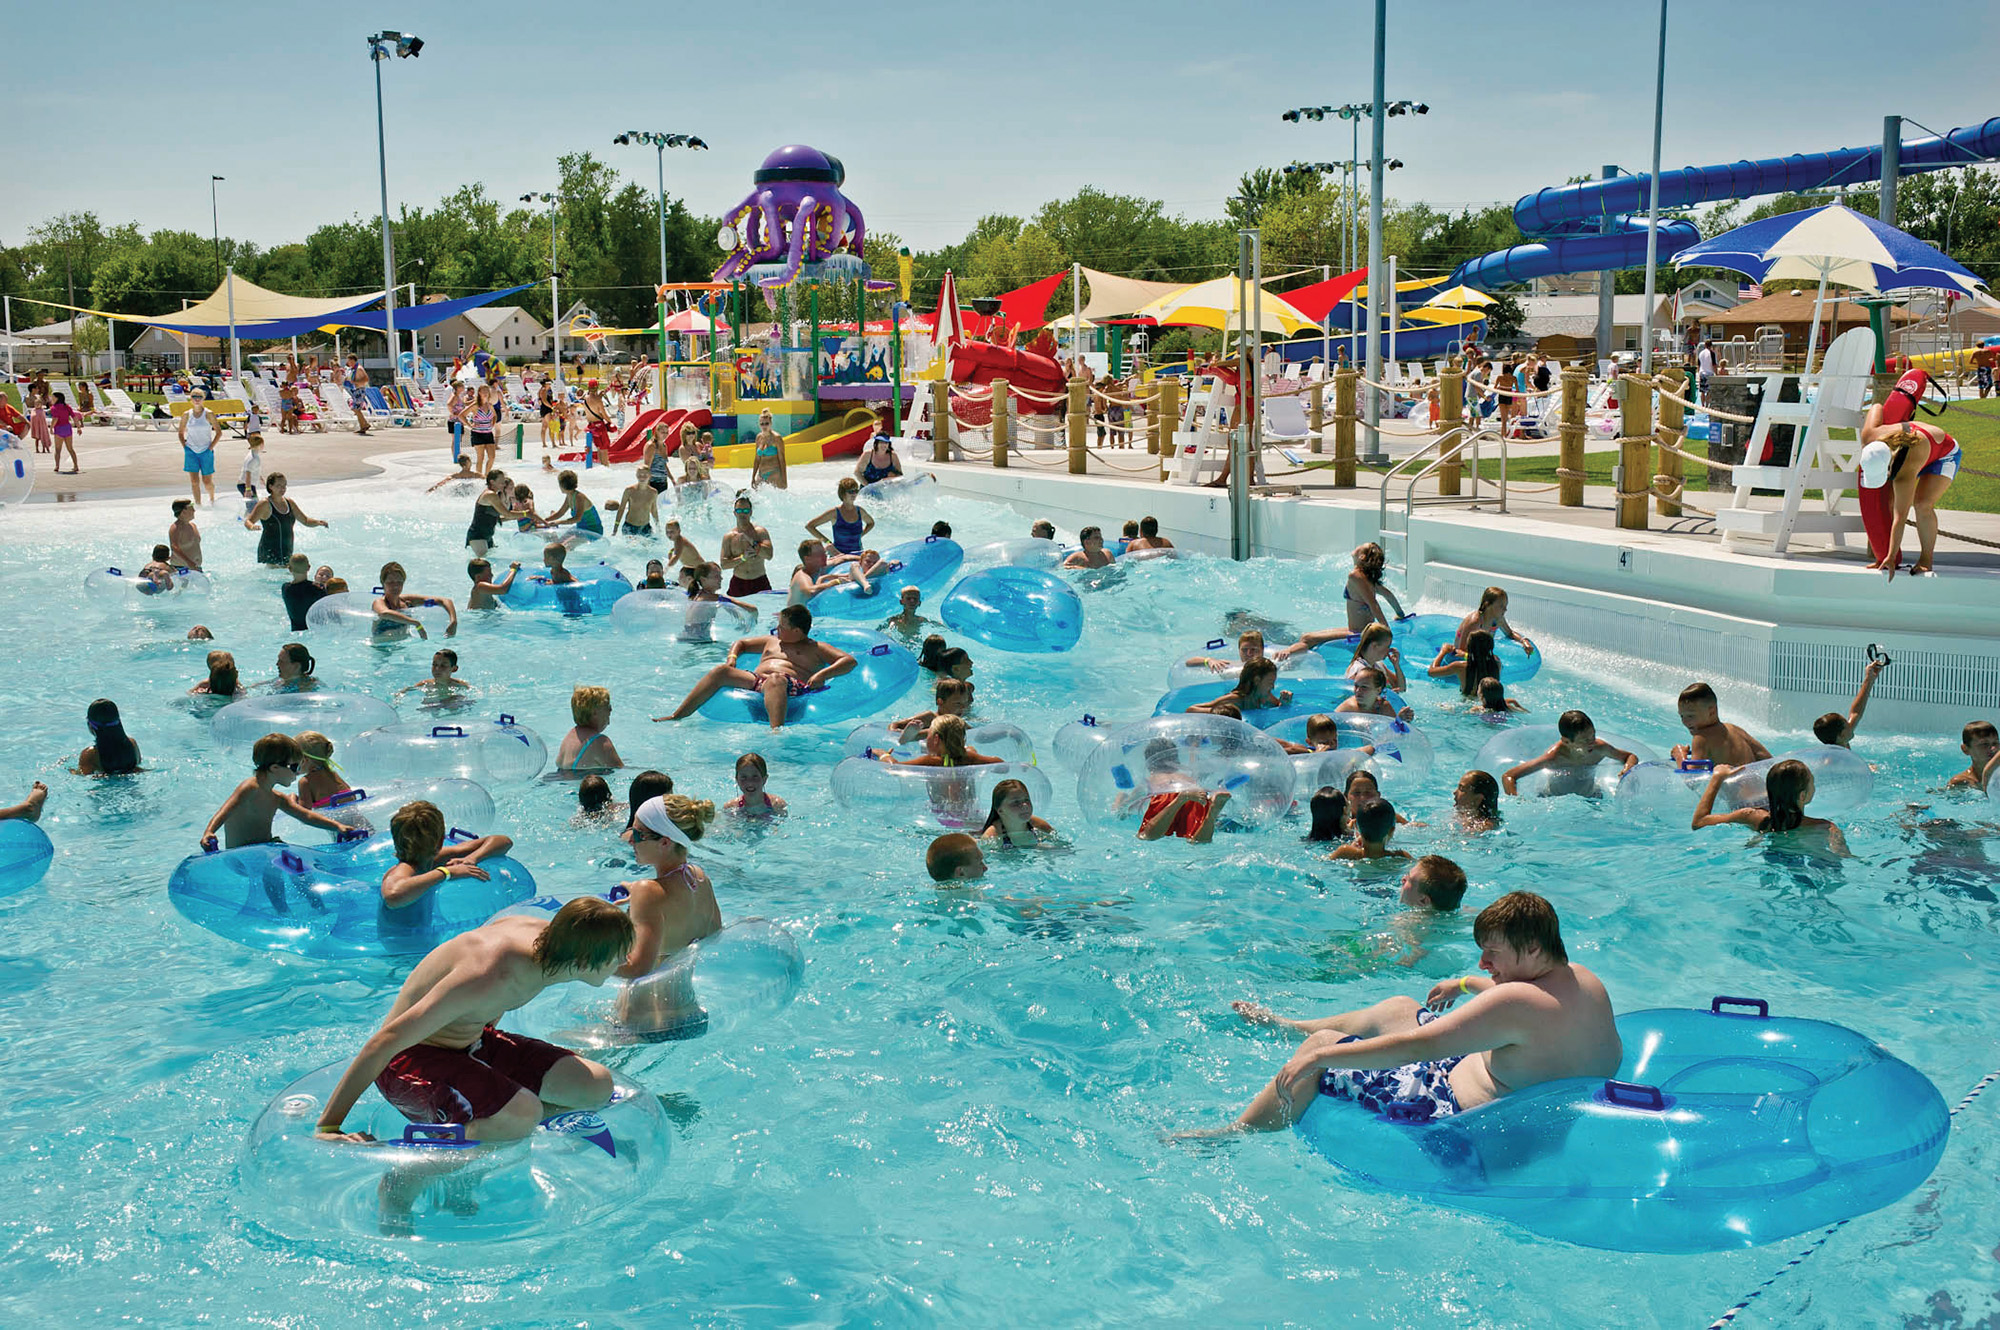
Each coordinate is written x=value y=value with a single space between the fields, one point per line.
x=508 y=331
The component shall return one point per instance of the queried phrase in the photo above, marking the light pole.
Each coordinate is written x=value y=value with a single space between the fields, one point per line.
x=380 y=46
x=215 y=219
x=1653 y=203
x=660 y=143
x=555 y=297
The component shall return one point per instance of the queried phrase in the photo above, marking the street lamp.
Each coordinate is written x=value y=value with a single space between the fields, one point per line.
x=381 y=46
x=555 y=297
x=215 y=218
x=660 y=143
x=1353 y=113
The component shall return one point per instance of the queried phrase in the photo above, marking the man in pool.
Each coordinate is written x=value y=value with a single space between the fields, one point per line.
x=1093 y=554
x=439 y=1058
x=790 y=664
x=811 y=577
x=1536 y=1018
x=745 y=547
x=1713 y=740
x=1572 y=760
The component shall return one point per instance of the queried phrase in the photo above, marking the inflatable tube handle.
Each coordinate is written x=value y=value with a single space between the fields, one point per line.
x=1631 y=1094
x=447 y=731
x=1692 y=764
x=290 y=862
x=1121 y=776
x=1089 y=720
x=879 y=649
x=1213 y=644
x=456 y=834
x=343 y=799
x=435 y=1136
x=115 y=572
x=351 y=835
x=1716 y=1005
x=618 y=894
x=505 y=719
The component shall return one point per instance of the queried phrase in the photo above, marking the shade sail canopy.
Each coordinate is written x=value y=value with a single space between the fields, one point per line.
x=413 y=318
x=1213 y=304
x=1111 y=295
x=255 y=312
x=1317 y=301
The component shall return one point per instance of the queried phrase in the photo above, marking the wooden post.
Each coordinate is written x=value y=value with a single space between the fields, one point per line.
x=1570 y=433
x=1003 y=411
x=1150 y=395
x=1168 y=399
x=1079 y=424
x=1343 y=427
x=1635 y=457
x=1673 y=425
x=941 y=421
x=1451 y=415
x=1316 y=413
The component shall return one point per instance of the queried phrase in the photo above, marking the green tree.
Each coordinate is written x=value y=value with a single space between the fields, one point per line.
x=1258 y=189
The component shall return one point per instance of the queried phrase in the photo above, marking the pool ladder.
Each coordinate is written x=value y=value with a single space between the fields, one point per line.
x=1393 y=522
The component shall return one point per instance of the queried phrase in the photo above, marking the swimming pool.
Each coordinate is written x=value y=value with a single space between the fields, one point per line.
x=960 y=1118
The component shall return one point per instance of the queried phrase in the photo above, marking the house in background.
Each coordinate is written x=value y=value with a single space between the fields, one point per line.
x=1565 y=327
x=157 y=346
x=1708 y=296
x=508 y=331
x=1790 y=312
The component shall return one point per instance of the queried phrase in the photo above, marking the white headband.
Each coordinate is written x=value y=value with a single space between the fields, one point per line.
x=653 y=817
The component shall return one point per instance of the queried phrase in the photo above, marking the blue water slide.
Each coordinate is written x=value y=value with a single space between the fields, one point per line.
x=1567 y=219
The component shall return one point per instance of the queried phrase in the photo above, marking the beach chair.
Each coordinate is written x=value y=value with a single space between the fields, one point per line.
x=1285 y=421
x=1837 y=400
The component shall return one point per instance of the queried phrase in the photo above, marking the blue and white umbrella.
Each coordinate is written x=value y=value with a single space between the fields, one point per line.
x=1833 y=243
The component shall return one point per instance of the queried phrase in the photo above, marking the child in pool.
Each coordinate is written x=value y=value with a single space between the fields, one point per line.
x=672 y=908
x=393 y=619
x=1322 y=736
x=576 y=510
x=594 y=804
x=1494 y=704
x=1093 y=554
x=1571 y=759
x=944 y=746
x=245 y=816
x=1980 y=742
x=954 y=662
x=1430 y=888
x=159 y=573
x=444 y=685
x=907 y=623
x=705 y=587
x=684 y=552
x=523 y=510
x=1475 y=803
x=1375 y=649
x=1491 y=616
x=1788 y=788
x=1838 y=730
x=424 y=861
x=222 y=680
x=112 y=752
x=464 y=472
x=1361 y=786
x=1712 y=739
x=656 y=576
x=953 y=697
x=587 y=747
x=1011 y=822
x=637 y=507
x=1249 y=647
x=1255 y=690
x=1369 y=684
x=318 y=781
x=1328 y=809
x=954 y=857
x=1374 y=824
x=752 y=771
x=1471 y=667
x=485 y=591
x=1175 y=804
x=553 y=557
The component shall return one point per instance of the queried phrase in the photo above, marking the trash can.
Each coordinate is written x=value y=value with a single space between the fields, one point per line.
x=1742 y=394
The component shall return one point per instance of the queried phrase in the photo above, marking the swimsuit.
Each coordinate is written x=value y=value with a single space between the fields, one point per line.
x=748 y=586
x=846 y=534
x=485 y=517
x=274 y=546
x=658 y=477
x=1186 y=822
x=1421 y=1090
x=870 y=473
x=431 y=1084
x=588 y=520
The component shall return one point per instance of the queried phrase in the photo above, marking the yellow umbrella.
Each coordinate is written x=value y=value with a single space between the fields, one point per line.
x=1458 y=298
x=1436 y=315
x=1213 y=304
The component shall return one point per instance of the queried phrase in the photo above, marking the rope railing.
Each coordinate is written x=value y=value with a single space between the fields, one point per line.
x=1655 y=383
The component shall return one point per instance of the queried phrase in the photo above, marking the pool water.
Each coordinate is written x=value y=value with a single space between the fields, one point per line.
x=961 y=1116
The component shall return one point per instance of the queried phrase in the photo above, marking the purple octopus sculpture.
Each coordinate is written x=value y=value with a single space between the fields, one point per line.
x=796 y=215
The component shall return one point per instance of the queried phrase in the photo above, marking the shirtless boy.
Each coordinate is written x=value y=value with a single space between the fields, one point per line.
x=245 y=816
x=1093 y=554
x=685 y=554
x=907 y=623
x=638 y=507
x=1576 y=751
x=745 y=547
x=439 y=1058
x=444 y=683
x=1533 y=1017
x=1980 y=742
x=1838 y=730
x=184 y=537
x=1374 y=824
x=424 y=861
x=1713 y=740
x=790 y=664
x=392 y=608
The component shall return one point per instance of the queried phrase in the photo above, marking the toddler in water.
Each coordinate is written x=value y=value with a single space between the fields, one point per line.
x=752 y=771
x=1572 y=759
x=553 y=556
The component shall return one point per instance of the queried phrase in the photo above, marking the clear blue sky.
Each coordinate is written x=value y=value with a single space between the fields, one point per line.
x=941 y=112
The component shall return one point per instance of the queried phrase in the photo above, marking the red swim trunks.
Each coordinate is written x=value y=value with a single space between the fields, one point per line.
x=748 y=586
x=1186 y=822
x=431 y=1084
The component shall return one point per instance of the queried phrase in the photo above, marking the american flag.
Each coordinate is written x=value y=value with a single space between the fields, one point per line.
x=1750 y=291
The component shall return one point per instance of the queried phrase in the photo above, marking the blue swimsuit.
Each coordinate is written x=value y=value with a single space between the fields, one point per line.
x=846 y=535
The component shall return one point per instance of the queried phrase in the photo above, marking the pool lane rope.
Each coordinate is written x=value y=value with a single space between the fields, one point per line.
x=1729 y=1316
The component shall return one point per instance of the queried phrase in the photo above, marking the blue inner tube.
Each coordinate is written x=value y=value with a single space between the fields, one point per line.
x=1015 y=609
x=1419 y=636
x=25 y=854
x=883 y=671
x=325 y=901
x=1723 y=1128
x=925 y=564
x=596 y=589
x=1310 y=697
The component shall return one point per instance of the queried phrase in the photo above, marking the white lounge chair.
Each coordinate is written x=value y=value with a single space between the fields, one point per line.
x=1838 y=394
x=1285 y=421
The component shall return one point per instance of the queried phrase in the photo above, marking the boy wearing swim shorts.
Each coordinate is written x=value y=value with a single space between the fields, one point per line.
x=1712 y=739
x=1571 y=758
x=245 y=816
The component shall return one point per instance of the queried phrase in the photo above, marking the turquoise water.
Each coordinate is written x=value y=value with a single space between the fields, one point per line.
x=961 y=1116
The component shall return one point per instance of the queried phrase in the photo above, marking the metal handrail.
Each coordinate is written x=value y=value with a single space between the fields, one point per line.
x=1410 y=501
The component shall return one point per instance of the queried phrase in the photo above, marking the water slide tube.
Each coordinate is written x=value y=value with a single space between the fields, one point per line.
x=829 y=439
x=1566 y=219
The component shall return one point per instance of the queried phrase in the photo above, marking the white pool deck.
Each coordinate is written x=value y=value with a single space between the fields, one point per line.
x=1783 y=639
